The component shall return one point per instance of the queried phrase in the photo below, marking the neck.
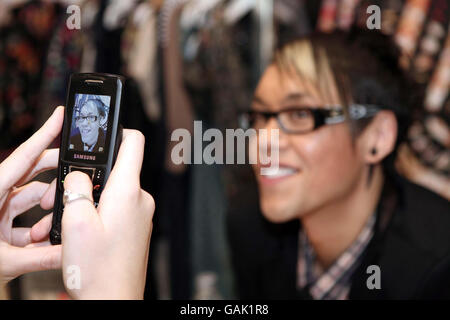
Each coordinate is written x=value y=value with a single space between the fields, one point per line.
x=332 y=228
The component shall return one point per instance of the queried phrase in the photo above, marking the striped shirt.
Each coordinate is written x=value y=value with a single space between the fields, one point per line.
x=333 y=283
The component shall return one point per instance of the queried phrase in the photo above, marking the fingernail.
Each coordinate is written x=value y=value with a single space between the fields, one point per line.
x=56 y=109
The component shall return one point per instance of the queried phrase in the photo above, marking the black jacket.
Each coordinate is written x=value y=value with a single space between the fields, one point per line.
x=79 y=146
x=411 y=245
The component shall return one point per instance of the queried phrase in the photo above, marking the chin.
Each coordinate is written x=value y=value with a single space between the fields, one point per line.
x=277 y=212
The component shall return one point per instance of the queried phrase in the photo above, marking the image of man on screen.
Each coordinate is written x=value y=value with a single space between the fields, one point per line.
x=91 y=137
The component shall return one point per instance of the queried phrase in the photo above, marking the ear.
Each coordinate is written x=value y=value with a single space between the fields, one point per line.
x=378 y=139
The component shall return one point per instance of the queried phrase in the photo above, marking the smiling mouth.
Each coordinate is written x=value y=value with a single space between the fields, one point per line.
x=85 y=131
x=274 y=174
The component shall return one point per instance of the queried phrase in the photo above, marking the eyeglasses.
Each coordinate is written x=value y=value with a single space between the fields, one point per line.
x=304 y=120
x=90 y=119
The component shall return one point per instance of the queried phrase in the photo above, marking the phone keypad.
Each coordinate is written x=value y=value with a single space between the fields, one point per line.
x=64 y=172
x=98 y=179
x=97 y=176
x=89 y=171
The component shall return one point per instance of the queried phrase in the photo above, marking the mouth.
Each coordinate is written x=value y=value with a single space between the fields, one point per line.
x=85 y=131
x=275 y=175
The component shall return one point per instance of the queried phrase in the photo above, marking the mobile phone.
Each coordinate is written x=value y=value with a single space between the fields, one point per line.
x=90 y=137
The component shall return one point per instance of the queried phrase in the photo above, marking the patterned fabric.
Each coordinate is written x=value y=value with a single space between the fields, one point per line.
x=63 y=58
x=165 y=15
x=23 y=45
x=333 y=283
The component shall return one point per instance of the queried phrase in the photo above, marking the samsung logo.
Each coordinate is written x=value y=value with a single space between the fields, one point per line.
x=83 y=157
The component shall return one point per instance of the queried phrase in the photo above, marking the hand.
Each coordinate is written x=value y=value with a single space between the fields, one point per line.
x=25 y=250
x=109 y=244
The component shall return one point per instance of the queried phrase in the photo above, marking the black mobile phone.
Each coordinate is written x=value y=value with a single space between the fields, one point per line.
x=90 y=137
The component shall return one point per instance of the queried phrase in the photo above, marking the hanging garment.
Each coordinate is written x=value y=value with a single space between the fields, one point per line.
x=292 y=19
x=63 y=58
x=410 y=27
x=139 y=51
x=431 y=42
x=217 y=74
x=107 y=41
x=172 y=212
x=430 y=137
x=23 y=44
x=391 y=10
x=346 y=14
x=327 y=16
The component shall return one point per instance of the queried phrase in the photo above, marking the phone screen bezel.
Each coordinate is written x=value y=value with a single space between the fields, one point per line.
x=78 y=85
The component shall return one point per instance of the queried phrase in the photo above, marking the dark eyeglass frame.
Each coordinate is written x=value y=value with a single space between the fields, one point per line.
x=322 y=116
x=79 y=118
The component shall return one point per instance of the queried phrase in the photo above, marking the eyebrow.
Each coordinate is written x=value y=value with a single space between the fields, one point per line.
x=294 y=97
x=258 y=100
x=289 y=98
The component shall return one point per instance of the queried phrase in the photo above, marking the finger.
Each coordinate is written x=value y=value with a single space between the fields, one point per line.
x=20 y=237
x=24 y=260
x=26 y=197
x=79 y=182
x=21 y=160
x=82 y=209
x=41 y=229
x=47 y=160
x=129 y=160
x=149 y=203
x=39 y=244
x=48 y=199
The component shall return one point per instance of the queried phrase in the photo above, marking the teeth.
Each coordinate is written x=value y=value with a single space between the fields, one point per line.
x=278 y=172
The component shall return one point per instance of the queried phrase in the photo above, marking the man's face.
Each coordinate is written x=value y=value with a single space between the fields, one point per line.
x=316 y=168
x=89 y=123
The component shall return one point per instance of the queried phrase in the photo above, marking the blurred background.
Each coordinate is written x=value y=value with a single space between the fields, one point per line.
x=199 y=60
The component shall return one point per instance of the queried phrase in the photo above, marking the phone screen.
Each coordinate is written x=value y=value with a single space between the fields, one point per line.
x=89 y=125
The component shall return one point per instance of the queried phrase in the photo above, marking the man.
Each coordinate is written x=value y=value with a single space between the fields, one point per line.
x=339 y=222
x=91 y=137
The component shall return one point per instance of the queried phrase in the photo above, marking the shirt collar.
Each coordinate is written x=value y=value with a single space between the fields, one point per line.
x=333 y=283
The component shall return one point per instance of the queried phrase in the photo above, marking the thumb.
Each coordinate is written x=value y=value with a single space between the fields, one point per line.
x=79 y=212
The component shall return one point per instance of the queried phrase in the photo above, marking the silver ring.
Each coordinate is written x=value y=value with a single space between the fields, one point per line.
x=70 y=196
